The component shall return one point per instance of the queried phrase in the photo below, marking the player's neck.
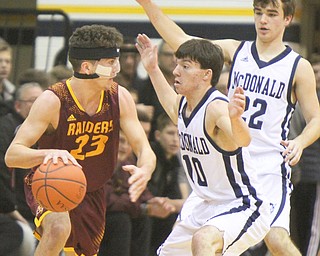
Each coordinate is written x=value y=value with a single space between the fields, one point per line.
x=268 y=50
x=194 y=98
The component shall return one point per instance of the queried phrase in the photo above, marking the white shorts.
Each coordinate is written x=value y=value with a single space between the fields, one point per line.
x=205 y=213
x=278 y=190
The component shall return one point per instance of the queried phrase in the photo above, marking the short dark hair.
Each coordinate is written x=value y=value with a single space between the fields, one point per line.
x=93 y=36
x=143 y=116
x=5 y=46
x=207 y=54
x=163 y=120
x=288 y=6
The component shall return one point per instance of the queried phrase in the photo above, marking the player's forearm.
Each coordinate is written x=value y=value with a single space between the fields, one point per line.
x=18 y=156
x=168 y=30
x=147 y=161
x=310 y=133
x=240 y=132
x=165 y=93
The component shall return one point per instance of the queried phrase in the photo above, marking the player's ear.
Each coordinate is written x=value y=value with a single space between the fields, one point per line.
x=86 y=67
x=288 y=20
x=207 y=74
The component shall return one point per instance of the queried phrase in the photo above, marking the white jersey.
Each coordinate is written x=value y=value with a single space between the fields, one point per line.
x=225 y=193
x=267 y=87
x=214 y=174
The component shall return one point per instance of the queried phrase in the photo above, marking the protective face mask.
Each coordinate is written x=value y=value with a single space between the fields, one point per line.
x=107 y=71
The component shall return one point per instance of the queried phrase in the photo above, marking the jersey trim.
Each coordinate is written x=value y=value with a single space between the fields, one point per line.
x=284 y=174
x=261 y=63
x=78 y=103
x=186 y=119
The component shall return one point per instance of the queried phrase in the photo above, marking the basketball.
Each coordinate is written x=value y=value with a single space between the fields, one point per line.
x=59 y=187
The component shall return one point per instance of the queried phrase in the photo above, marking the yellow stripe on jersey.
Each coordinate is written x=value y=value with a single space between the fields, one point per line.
x=78 y=103
x=71 y=249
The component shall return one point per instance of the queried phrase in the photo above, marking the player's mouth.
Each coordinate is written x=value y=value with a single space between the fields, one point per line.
x=176 y=82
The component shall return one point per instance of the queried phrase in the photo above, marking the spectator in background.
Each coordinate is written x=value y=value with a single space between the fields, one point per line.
x=7 y=88
x=129 y=61
x=60 y=72
x=128 y=225
x=127 y=228
x=12 y=182
x=146 y=92
x=166 y=179
x=128 y=76
x=13 y=234
x=305 y=199
x=36 y=75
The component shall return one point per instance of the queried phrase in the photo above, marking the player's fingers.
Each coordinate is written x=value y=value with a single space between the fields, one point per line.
x=135 y=192
x=136 y=189
x=129 y=168
x=47 y=158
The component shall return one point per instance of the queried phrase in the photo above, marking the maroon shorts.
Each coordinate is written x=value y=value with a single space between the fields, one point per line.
x=87 y=219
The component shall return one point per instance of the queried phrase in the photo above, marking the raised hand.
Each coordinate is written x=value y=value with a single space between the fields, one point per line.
x=148 y=52
x=237 y=103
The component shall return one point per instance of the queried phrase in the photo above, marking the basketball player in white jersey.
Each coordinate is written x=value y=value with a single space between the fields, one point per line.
x=274 y=78
x=232 y=215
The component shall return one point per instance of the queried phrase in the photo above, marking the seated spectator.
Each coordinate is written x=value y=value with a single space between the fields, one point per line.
x=305 y=198
x=60 y=72
x=15 y=235
x=129 y=60
x=41 y=77
x=166 y=179
x=127 y=223
x=7 y=88
x=11 y=181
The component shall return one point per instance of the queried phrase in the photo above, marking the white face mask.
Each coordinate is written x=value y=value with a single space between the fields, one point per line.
x=106 y=71
x=103 y=71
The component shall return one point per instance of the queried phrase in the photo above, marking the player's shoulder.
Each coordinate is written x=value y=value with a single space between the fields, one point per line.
x=304 y=63
x=228 y=46
x=124 y=93
x=304 y=70
x=126 y=100
x=48 y=96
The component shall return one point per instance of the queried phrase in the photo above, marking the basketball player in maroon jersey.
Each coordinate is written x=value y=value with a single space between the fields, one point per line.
x=79 y=120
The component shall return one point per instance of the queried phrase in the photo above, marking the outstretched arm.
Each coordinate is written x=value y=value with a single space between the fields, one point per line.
x=146 y=159
x=166 y=95
x=169 y=31
x=175 y=36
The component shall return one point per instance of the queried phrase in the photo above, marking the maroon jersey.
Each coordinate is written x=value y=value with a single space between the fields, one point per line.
x=92 y=140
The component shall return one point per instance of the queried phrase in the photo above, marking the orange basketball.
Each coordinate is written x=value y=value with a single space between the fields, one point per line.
x=59 y=187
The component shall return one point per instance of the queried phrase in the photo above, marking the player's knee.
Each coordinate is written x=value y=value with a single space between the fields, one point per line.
x=207 y=237
x=59 y=230
x=58 y=227
x=278 y=240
